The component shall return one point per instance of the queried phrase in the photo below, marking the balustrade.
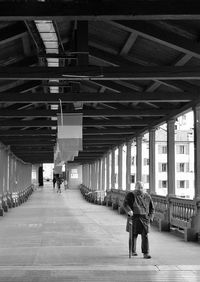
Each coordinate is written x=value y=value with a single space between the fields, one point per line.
x=170 y=212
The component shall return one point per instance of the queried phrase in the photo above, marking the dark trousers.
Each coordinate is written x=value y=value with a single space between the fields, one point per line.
x=144 y=242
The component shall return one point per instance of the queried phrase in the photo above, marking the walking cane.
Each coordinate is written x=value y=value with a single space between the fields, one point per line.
x=130 y=236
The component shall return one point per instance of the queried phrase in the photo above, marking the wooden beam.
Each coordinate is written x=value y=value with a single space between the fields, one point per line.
x=30 y=123
x=92 y=131
x=87 y=123
x=128 y=96
x=161 y=36
x=96 y=10
x=32 y=144
x=176 y=85
x=103 y=137
x=12 y=32
x=46 y=132
x=103 y=73
x=116 y=122
x=86 y=113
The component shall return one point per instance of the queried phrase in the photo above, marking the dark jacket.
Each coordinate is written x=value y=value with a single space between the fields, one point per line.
x=143 y=209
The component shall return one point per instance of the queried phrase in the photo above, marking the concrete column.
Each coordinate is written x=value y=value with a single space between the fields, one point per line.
x=99 y=172
x=96 y=175
x=83 y=175
x=113 y=169
x=107 y=171
x=40 y=175
x=120 y=167
x=197 y=150
x=171 y=157
x=139 y=158
x=90 y=176
x=103 y=173
x=93 y=176
x=152 y=157
x=128 y=165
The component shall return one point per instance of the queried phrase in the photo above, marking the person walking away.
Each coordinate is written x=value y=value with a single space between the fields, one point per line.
x=65 y=184
x=140 y=209
x=59 y=182
x=54 y=182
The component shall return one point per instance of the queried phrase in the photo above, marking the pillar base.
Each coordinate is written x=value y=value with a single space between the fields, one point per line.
x=163 y=225
x=190 y=235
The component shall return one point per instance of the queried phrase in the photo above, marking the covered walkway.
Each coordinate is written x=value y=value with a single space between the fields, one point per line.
x=61 y=237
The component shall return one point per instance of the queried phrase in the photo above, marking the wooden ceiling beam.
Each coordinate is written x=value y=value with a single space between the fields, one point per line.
x=128 y=96
x=100 y=10
x=176 y=85
x=30 y=123
x=86 y=113
x=103 y=73
x=92 y=131
x=89 y=131
x=87 y=123
x=161 y=36
x=10 y=132
x=12 y=32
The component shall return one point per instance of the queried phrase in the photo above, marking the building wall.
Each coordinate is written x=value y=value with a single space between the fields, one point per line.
x=75 y=175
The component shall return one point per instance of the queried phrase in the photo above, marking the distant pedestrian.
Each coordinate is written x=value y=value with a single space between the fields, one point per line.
x=59 y=182
x=54 y=182
x=139 y=208
x=65 y=184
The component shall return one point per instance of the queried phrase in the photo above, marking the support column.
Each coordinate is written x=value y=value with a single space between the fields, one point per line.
x=120 y=168
x=40 y=175
x=103 y=174
x=139 y=158
x=99 y=172
x=171 y=158
x=196 y=219
x=108 y=172
x=152 y=158
x=197 y=150
x=92 y=175
x=113 y=169
x=128 y=165
x=83 y=175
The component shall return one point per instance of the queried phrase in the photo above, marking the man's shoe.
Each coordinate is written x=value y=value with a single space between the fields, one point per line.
x=147 y=256
x=134 y=254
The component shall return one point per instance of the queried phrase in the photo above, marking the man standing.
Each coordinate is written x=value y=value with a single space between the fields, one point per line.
x=139 y=208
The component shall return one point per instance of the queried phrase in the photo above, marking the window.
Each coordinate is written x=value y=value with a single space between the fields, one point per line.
x=182 y=149
x=183 y=184
x=133 y=178
x=162 y=167
x=162 y=149
x=162 y=183
x=182 y=167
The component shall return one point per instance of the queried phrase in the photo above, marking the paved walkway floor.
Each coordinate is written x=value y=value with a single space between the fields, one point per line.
x=61 y=237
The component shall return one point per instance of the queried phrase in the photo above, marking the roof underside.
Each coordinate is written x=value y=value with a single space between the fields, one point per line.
x=128 y=66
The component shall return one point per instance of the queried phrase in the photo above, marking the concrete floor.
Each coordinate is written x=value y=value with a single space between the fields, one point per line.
x=61 y=237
